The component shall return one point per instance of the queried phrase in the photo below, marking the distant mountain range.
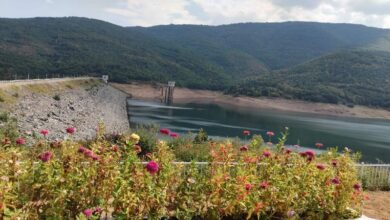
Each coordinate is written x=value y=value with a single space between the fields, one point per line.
x=336 y=63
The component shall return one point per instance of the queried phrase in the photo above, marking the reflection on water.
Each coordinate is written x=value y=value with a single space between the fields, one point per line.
x=370 y=136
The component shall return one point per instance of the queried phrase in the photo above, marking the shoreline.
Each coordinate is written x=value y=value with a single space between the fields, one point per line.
x=149 y=92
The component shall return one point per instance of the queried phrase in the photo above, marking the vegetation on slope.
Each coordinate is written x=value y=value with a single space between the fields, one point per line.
x=337 y=63
x=352 y=77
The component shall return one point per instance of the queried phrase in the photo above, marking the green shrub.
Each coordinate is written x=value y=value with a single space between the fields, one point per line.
x=57 y=97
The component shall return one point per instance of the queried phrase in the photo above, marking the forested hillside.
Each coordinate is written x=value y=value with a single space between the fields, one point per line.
x=337 y=63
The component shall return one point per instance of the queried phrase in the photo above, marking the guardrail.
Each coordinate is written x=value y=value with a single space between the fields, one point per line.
x=45 y=79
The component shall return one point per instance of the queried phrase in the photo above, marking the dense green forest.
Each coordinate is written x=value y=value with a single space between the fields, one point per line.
x=336 y=63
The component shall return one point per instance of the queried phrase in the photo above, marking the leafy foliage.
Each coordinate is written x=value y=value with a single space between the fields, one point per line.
x=105 y=177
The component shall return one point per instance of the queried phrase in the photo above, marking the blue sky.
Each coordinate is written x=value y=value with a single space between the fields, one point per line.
x=210 y=12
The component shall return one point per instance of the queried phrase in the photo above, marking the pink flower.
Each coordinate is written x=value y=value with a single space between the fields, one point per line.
x=264 y=185
x=95 y=157
x=291 y=213
x=165 y=131
x=88 y=153
x=45 y=156
x=70 y=130
x=246 y=132
x=244 y=148
x=266 y=153
x=270 y=143
x=319 y=145
x=174 y=135
x=20 y=141
x=82 y=149
x=357 y=186
x=320 y=166
x=152 y=167
x=336 y=181
x=44 y=132
x=88 y=212
x=270 y=133
x=248 y=186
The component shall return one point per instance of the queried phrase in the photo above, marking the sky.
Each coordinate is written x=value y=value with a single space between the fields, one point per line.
x=374 y=13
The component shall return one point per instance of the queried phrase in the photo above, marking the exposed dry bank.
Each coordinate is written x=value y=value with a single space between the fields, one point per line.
x=183 y=95
x=56 y=105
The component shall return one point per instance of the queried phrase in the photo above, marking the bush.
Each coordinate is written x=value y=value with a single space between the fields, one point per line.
x=57 y=97
x=69 y=180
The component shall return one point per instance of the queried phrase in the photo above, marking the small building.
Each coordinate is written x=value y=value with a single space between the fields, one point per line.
x=105 y=78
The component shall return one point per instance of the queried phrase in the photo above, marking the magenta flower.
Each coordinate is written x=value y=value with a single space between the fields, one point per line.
x=44 y=132
x=20 y=141
x=244 y=148
x=152 y=167
x=336 y=181
x=320 y=166
x=266 y=153
x=174 y=135
x=45 y=156
x=270 y=133
x=310 y=153
x=88 y=212
x=165 y=131
x=70 y=130
x=264 y=185
x=246 y=132
x=319 y=145
x=248 y=186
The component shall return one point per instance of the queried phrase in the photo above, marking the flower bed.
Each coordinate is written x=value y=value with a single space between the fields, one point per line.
x=106 y=177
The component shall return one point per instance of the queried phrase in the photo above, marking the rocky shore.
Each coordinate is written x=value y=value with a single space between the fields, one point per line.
x=80 y=107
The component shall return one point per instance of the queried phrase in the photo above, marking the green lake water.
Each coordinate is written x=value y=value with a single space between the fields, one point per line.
x=369 y=136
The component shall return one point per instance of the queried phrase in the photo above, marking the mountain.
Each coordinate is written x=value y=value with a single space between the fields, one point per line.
x=350 y=77
x=338 y=63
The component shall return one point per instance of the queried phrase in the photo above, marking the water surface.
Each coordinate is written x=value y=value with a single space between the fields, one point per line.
x=369 y=136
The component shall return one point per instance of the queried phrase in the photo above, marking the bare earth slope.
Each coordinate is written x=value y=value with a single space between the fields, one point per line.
x=183 y=95
x=56 y=105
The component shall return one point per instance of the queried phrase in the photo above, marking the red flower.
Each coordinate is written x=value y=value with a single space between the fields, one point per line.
x=320 y=166
x=264 y=185
x=246 y=132
x=244 y=148
x=336 y=181
x=88 y=153
x=270 y=133
x=357 y=186
x=334 y=163
x=248 y=186
x=20 y=141
x=152 y=167
x=114 y=148
x=174 y=135
x=266 y=153
x=70 y=130
x=44 y=132
x=165 y=131
x=319 y=145
x=137 y=149
x=46 y=156
x=288 y=151
x=88 y=212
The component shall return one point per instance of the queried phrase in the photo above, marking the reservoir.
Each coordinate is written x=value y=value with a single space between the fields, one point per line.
x=369 y=136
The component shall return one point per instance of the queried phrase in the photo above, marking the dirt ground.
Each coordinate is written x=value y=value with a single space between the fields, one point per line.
x=378 y=205
x=184 y=95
